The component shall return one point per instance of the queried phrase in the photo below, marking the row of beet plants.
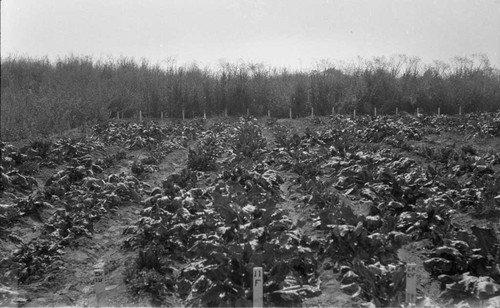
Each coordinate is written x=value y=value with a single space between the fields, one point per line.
x=219 y=219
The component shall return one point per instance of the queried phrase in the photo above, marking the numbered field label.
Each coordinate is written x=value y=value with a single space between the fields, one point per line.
x=258 y=281
x=411 y=284
x=99 y=286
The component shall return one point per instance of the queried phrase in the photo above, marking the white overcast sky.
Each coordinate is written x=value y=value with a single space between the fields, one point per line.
x=289 y=33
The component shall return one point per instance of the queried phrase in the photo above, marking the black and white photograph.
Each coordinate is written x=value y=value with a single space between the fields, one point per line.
x=250 y=153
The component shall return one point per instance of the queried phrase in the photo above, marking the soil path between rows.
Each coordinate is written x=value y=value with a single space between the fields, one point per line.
x=303 y=216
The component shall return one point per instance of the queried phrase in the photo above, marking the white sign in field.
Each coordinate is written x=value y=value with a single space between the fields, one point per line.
x=411 y=283
x=258 y=279
x=100 y=287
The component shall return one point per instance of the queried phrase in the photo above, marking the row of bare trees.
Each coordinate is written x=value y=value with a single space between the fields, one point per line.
x=42 y=96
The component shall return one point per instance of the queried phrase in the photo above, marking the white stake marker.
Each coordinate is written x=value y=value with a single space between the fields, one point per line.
x=140 y=116
x=258 y=279
x=411 y=283
x=204 y=114
x=290 y=113
x=100 y=286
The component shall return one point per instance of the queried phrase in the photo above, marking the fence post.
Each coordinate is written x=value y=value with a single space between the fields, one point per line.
x=140 y=115
x=354 y=113
x=439 y=111
x=290 y=113
x=396 y=110
x=248 y=112
x=225 y=112
x=312 y=111
x=161 y=114
x=375 y=112
x=333 y=110
x=183 y=114
x=204 y=114
x=268 y=113
x=459 y=110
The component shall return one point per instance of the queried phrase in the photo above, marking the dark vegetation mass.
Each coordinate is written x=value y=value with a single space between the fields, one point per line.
x=42 y=97
x=257 y=193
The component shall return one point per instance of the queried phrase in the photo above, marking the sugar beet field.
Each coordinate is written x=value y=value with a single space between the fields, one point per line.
x=179 y=213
